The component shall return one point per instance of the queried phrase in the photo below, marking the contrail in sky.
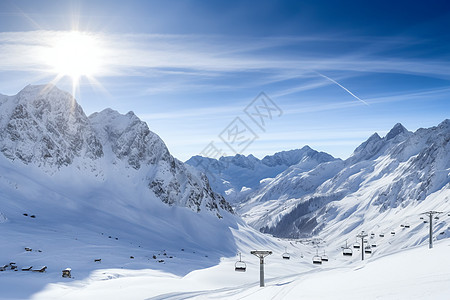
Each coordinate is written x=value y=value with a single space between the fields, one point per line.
x=344 y=88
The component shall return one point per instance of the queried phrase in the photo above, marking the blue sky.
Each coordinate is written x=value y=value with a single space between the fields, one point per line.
x=337 y=70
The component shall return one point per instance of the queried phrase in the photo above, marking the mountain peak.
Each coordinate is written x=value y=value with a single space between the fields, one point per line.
x=374 y=137
x=445 y=123
x=43 y=90
x=395 y=131
x=306 y=148
x=367 y=149
x=293 y=157
x=240 y=160
x=38 y=87
x=52 y=122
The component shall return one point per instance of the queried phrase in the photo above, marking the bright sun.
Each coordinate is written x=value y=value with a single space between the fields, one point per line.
x=75 y=54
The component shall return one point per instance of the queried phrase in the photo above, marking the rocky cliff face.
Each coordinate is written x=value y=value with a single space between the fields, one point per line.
x=45 y=127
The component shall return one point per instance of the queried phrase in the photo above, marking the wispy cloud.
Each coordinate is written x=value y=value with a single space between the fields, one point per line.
x=135 y=54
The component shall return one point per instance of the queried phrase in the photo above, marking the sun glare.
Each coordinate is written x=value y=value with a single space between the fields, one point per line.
x=75 y=54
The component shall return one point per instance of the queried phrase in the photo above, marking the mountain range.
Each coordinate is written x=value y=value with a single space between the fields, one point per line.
x=303 y=193
x=109 y=167
x=237 y=176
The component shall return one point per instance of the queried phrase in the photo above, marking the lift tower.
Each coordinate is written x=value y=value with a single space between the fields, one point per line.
x=362 y=235
x=430 y=214
x=261 y=254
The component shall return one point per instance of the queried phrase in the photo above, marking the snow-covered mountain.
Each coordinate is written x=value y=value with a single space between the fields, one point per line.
x=66 y=177
x=237 y=176
x=101 y=192
x=398 y=172
x=292 y=193
x=45 y=127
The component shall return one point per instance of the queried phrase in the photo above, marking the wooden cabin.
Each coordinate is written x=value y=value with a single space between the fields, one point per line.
x=66 y=273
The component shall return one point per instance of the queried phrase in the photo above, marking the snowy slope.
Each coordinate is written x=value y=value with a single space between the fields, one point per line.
x=78 y=220
x=237 y=176
x=417 y=273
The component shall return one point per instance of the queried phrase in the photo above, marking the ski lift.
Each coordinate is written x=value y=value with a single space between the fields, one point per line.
x=356 y=245
x=368 y=250
x=324 y=257
x=392 y=232
x=317 y=259
x=373 y=245
x=407 y=226
x=240 y=266
x=381 y=234
x=285 y=254
x=422 y=218
x=402 y=225
x=436 y=218
x=425 y=221
x=346 y=251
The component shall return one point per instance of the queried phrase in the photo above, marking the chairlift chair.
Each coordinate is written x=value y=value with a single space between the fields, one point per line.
x=347 y=251
x=240 y=266
x=324 y=257
x=285 y=254
x=407 y=226
x=392 y=232
x=356 y=245
x=381 y=234
x=317 y=259
x=368 y=250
